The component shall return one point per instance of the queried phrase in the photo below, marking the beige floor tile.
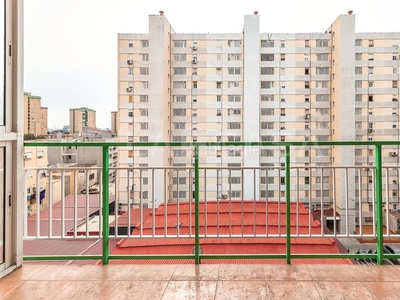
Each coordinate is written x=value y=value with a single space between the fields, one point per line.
x=25 y=272
x=37 y=290
x=90 y=289
x=54 y=272
x=141 y=290
x=278 y=290
x=108 y=272
x=287 y=272
x=150 y=272
x=376 y=273
x=332 y=273
x=241 y=272
x=180 y=290
x=8 y=285
x=196 y=272
x=343 y=290
x=383 y=290
x=241 y=290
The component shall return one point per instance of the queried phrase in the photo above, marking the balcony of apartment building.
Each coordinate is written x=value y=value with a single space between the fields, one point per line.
x=235 y=231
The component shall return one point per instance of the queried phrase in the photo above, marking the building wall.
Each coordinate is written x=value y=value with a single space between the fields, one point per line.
x=254 y=86
x=80 y=118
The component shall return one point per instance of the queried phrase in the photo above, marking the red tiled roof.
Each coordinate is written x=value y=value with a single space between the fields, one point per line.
x=227 y=217
x=123 y=220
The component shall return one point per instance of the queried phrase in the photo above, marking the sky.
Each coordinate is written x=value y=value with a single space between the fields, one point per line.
x=71 y=48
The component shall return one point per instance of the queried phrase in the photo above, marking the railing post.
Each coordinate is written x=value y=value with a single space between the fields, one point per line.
x=378 y=210
x=106 y=208
x=287 y=194
x=196 y=205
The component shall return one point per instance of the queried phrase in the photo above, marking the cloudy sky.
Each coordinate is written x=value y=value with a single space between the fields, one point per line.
x=71 y=45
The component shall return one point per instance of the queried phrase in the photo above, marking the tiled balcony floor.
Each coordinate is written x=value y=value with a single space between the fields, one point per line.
x=222 y=281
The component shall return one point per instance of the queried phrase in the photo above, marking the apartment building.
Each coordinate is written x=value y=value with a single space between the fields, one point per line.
x=35 y=116
x=254 y=86
x=80 y=118
x=114 y=123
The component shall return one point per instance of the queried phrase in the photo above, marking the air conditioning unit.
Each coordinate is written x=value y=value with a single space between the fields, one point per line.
x=393 y=153
x=394 y=99
x=194 y=47
x=194 y=61
x=283 y=128
x=129 y=89
x=283 y=114
x=129 y=62
x=306 y=116
x=395 y=181
x=224 y=196
x=370 y=130
x=194 y=115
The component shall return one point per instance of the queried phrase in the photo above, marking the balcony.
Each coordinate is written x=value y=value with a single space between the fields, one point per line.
x=228 y=207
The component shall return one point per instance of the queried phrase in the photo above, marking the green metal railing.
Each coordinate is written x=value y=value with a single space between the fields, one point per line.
x=198 y=256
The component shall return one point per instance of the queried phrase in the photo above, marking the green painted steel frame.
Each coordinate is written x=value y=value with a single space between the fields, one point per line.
x=197 y=256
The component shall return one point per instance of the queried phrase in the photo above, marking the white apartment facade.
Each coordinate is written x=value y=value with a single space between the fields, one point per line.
x=255 y=86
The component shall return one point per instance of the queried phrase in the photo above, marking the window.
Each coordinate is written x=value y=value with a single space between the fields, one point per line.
x=234 y=43
x=370 y=43
x=144 y=126
x=322 y=43
x=358 y=70
x=282 y=44
x=267 y=97
x=394 y=84
x=307 y=43
x=322 y=56
x=144 y=57
x=219 y=98
x=234 y=153
x=322 y=152
x=143 y=138
x=233 y=165
x=267 y=84
x=322 y=111
x=306 y=57
x=130 y=153
x=267 y=57
x=234 y=71
x=267 y=71
x=370 y=83
x=179 y=71
x=195 y=84
x=219 y=57
x=394 y=56
x=144 y=98
x=218 y=112
x=179 y=125
x=179 y=43
x=267 y=125
x=234 y=98
x=234 y=111
x=370 y=70
x=233 y=57
x=233 y=84
x=144 y=112
x=144 y=71
x=235 y=194
x=322 y=84
x=307 y=71
x=283 y=57
x=143 y=153
x=322 y=98
x=179 y=84
x=234 y=125
x=130 y=44
x=180 y=57
x=322 y=125
x=358 y=42
x=321 y=138
x=145 y=84
x=267 y=138
x=370 y=56
x=234 y=138
x=179 y=112
x=322 y=70
x=145 y=43
x=182 y=194
x=179 y=98
x=179 y=180
x=370 y=98
x=179 y=153
x=130 y=71
x=219 y=84
x=267 y=152
x=179 y=138
x=306 y=84
x=267 y=44
x=267 y=111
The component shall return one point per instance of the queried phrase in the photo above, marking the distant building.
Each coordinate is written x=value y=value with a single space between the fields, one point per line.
x=35 y=115
x=80 y=118
x=114 y=123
